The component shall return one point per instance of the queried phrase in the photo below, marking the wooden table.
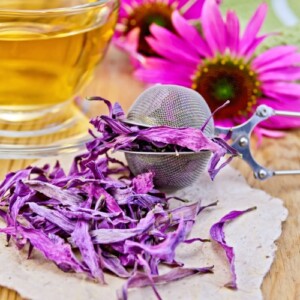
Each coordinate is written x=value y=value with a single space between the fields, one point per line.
x=114 y=81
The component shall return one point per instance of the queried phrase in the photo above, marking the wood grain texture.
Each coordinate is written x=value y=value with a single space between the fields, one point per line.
x=114 y=81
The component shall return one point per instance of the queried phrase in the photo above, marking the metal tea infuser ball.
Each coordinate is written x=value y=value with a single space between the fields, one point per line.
x=177 y=106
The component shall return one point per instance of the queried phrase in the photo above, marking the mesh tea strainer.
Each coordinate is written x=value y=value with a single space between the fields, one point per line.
x=178 y=106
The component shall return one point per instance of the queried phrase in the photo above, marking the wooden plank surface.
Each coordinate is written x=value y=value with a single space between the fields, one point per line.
x=114 y=81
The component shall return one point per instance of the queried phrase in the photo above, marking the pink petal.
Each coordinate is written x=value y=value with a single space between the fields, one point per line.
x=271 y=133
x=217 y=234
x=164 y=77
x=287 y=105
x=287 y=60
x=233 y=32
x=176 y=4
x=130 y=2
x=280 y=97
x=225 y=122
x=253 y=27
x=261 y=132
x=129 y=43
x=191 y=35
x=176 y=55
x=279 y=122
x=162 y=64
x=125 y=10
x=231 y=121
x=285 y=74
x=191 y=9
x=126 y=7
x=272 y=55
x=283 y=88
x=213 y=27
x=169 y=38
x=252 y=47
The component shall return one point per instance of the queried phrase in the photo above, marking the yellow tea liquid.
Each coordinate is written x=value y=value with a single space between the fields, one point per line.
x=45 y=60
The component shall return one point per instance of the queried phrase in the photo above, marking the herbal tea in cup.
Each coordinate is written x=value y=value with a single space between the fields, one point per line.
x=48 y=52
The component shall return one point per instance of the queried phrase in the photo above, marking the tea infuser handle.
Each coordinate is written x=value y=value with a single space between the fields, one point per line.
x=240 y=136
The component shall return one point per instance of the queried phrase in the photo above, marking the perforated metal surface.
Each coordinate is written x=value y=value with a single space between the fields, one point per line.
x=171 y=105
x=171 y=172
x=174 y=106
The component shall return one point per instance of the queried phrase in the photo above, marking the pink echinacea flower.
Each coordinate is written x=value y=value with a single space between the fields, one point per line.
x=136 y=17
x=221 y=64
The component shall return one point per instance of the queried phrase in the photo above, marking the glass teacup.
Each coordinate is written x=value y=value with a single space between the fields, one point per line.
x=48 y=52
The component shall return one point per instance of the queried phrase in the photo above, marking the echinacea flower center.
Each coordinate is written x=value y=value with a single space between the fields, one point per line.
x=143 y=16
x=225 y=79
x=223 y=89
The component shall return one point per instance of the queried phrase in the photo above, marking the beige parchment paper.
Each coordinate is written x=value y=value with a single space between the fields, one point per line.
x=252 y=236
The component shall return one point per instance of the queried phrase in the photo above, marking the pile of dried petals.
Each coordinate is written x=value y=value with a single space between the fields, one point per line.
x=96 y=219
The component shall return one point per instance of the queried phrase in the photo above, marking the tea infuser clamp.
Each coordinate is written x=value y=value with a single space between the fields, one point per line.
x=177 y=106
x=240 y=136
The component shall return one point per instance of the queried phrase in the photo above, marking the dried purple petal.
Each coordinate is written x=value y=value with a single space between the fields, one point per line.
x=64 y=196
x=143 y=183
x=53 y=216
x=11 y=179
x=140 y=279
x=18 y=204
x=82 y=239
x=114 y=235
x=165 y=250
x=113 y=264
x=51 y=246
x=218 y=235
x=2 y=214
